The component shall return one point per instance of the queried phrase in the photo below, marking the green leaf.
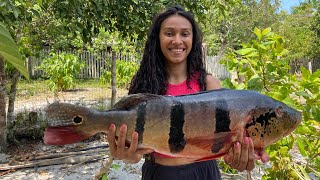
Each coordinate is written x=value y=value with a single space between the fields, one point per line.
x=284 y=150
x=104 y=177
x=305 y=72
x=245 y=51
x=3 y=3
x=252 y=54
x=4 y=32
x=10 y=52
x=255 y=83
x=301 y=147
x=257 y=32
x=272 y=154
x=240 y=86
x=262 y=46
x=315 y=74
x=284 y=52
x=266 y=31
x=35 y=12
x=115 y=166
x=39 y=2
x=316 y=113
x=303 y=93
x=304 y=129
x=228 y=84
x=16 y=12
x=290 y=102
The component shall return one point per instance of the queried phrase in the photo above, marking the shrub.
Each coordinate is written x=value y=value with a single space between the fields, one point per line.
x=62 y=70
x=125 y=70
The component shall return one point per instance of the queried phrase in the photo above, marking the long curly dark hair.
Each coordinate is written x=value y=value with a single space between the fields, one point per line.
x=152 y=75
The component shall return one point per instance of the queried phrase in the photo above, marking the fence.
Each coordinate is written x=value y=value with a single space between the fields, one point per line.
x=97 y=62
x=214 y=67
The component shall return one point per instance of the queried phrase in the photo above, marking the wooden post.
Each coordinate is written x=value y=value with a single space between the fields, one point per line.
x=310 y=66
x=113 y=78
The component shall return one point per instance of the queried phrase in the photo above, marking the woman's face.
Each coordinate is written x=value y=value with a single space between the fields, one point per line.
x=176 y=39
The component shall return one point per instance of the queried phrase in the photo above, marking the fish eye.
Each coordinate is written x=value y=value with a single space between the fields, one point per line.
x=77 y=119
x=279 y=111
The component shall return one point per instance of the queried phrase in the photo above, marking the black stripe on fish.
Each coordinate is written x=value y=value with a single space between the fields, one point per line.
x=176 y=136
x=222 y=123
x=222 y=117
x=141 y=120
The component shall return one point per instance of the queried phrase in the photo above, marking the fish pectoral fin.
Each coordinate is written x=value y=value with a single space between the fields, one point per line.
x=214 y=143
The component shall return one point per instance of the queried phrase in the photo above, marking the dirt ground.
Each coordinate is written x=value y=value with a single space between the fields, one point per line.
x=27 y=153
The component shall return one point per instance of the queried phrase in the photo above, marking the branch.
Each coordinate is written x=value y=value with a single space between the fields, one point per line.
x=55 y=161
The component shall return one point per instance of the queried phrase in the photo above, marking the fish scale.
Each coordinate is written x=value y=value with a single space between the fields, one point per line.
x=198 y=126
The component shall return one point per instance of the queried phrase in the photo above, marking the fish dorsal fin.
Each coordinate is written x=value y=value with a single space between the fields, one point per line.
x=132 y=100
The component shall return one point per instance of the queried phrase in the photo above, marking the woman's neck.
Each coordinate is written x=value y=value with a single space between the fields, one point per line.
x=177 y=73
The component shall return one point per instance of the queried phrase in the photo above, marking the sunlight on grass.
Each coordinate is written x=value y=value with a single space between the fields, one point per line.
x=33 y=87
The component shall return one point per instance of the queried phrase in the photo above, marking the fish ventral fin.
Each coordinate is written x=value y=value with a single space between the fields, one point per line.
x=132 y=100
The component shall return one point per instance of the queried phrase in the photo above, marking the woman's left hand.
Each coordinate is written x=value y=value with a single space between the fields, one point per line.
x=243 y=156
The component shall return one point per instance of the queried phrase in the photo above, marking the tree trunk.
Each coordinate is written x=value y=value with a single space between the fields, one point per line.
x=113 y=78
x=12 y=95
x=3 y=129
x=223 y=46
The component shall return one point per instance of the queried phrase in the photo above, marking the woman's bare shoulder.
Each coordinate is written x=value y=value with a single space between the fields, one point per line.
x=212 y=82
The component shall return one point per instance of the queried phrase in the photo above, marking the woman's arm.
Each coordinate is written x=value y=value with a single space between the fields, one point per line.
x=212 y=82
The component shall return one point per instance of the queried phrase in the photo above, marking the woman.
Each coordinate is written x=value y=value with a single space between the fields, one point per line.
x=172 y=65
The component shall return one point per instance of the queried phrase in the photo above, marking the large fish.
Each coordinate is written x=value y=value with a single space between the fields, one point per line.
x=197 y=126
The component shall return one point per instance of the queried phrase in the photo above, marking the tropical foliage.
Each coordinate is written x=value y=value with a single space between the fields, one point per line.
x=262 y=66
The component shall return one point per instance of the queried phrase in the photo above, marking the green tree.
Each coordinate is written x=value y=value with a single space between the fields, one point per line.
x=229 y=27
x=300 y=38
x=17 y=17
x=8 y=52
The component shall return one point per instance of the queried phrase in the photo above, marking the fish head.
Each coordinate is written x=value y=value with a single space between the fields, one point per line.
x=268 y=125
x=67 y=123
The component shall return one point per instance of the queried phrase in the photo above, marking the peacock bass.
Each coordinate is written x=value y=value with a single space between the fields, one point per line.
x=198 y=126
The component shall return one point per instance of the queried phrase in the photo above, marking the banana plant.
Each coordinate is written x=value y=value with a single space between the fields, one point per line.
x=9 y=51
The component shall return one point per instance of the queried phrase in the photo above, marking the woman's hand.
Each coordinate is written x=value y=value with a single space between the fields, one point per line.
x=118 y=148
x=243 y=156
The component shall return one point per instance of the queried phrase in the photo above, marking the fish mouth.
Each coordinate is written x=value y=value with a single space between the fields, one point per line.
x=293 y=128
x=63 y=135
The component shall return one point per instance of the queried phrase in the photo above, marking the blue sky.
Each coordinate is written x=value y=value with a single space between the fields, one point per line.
x=287 y=4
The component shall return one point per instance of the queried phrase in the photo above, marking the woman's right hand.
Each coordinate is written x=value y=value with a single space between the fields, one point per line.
x=118 y=148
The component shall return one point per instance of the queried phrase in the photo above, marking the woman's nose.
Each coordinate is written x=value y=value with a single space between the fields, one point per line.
x=177 y=39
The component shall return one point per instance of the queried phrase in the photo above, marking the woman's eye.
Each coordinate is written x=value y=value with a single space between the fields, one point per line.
x=169 y=33
x=185 y=34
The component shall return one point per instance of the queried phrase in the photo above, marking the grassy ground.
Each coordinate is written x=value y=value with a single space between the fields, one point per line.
x=33 y=87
